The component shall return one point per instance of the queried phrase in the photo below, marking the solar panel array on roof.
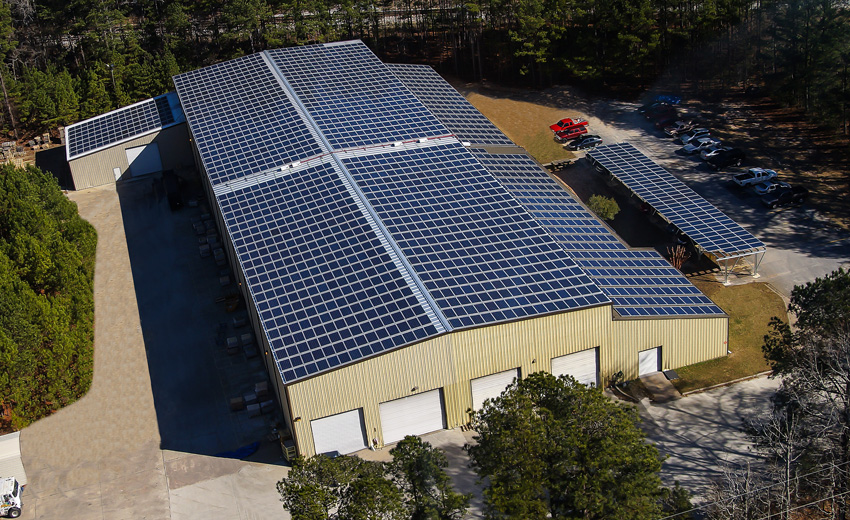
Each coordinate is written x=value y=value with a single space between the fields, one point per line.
x=352 y=96
x=639 y=282
x=242 y=120
x=458 y=114
x=706 y=225
x=325 y=288
x=352 y=243
x=479 y=253
x=120 y=125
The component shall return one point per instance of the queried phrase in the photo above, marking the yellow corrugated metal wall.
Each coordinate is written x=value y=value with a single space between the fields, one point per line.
x=447 y=362
x=683 y=341
x=451 y=361
x=96 y=168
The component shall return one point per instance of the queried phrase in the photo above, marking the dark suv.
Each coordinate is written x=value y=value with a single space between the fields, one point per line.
x=793 y=196
x=584 y=142
x=725 y=158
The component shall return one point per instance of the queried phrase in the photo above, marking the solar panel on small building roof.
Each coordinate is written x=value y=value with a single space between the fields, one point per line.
x=458 y=114
x=640 y=283
x=703 y=223
x=122 y=125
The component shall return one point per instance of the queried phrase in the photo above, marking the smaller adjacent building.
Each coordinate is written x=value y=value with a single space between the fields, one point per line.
x=10 y=458
x=140 y=139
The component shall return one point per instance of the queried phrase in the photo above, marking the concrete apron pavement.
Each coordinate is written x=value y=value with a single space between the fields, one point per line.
x=701 y=432
x=100 y=457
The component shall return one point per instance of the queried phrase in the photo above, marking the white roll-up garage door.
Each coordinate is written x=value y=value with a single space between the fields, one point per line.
x=583 y=366
x=492 y=386
x=414 y=415
x=649 y=361
x=144 y=159
x=342 y=433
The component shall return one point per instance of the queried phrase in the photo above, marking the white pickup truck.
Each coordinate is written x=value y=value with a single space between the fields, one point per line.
x=10 y=495
x=754 y=176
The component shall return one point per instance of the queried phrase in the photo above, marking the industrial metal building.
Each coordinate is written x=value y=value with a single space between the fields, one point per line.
x=133 y=141
x=404 y=260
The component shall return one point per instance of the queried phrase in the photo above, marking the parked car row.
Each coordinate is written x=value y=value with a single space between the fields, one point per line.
x=773 y=192
x=711 y=150
x=568 y=128
x=696 y=139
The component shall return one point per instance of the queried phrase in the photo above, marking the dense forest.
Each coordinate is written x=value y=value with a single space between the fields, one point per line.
x=69 y=60
x=46 y=303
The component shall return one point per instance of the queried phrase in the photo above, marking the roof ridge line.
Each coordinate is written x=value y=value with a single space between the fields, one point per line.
x=423 y=296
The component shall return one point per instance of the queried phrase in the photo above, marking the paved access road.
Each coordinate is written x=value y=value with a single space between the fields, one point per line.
x=100 y=458
x=701 y=432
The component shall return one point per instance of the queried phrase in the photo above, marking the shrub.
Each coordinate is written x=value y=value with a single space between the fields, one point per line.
x=606 y=207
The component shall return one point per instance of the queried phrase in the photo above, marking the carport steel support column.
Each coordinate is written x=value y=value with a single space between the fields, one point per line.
x=726 y=269
x=757 y=262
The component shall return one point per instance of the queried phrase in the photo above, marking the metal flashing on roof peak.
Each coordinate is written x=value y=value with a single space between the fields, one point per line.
x=353 y=97
x=243 y=121
x=408 y=274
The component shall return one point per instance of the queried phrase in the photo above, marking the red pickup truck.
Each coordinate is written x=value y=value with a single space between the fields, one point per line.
x=568 y=128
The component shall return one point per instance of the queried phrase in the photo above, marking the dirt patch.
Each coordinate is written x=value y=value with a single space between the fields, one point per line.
x=524 y=122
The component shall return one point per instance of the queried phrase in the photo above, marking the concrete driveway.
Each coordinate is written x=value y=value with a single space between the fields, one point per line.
x=101 y=457
x=701 y=432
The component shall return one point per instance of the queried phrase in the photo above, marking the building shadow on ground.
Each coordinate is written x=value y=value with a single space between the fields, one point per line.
x=185 y=322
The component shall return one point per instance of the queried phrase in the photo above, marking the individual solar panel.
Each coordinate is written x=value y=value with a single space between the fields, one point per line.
x=118 y=126
x=353 y=98
x=640 y=283
x=327 y=293
x=703 y=223
x=163 y=108
x=242 y=120
x=458 y=114
x=480 y=255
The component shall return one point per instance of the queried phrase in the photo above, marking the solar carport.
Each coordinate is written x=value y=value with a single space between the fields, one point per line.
x=714 y=233
x=403 y=260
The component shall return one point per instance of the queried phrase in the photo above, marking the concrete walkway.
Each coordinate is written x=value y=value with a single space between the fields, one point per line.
x=100 y=458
